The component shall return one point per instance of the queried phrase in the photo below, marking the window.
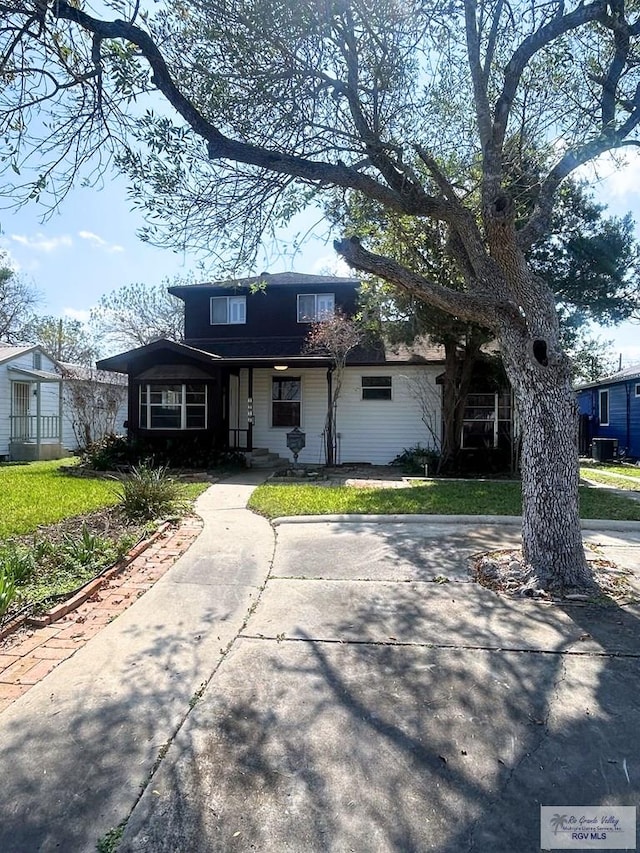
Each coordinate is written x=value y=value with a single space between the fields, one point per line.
x=285 y=401
x=228 y=310
x=603 y=407
x=37 y=361
x=376 y=387
x=315 y=306
x=638 y=389
x=487 y=420
x=173 y=406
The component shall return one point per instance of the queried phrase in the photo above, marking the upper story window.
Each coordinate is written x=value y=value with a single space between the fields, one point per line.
x=37 y=360
x=227 y=310
x=315 y=306
x=637 y=389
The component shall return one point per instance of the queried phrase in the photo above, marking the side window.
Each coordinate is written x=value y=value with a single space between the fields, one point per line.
x=376 y=387
x=604 y=407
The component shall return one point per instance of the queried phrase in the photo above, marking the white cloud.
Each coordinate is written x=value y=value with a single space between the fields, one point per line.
x=75 y=314
x=99 y=242
x=332 y=265
x=40 y=243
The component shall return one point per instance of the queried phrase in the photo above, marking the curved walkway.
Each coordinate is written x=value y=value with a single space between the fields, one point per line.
x=78 y=748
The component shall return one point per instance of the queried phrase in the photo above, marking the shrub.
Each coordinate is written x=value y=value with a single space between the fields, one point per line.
x=413 y=460
x=108 y=454
x=149 y=493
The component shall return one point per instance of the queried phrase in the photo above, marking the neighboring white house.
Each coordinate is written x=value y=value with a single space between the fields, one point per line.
x=37 y=417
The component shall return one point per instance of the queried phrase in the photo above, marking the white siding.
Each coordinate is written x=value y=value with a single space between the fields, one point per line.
x=313 y=413
x=377 y=431
x=372 y=431
x=5 y=410
x=48 y=400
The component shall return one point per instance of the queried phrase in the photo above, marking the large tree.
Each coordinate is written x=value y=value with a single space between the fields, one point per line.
x=137 y=314
x=18 y=300
x=424 y=107
x=63 y=338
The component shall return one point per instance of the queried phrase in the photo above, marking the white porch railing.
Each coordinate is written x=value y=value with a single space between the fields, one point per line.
x=25 y=427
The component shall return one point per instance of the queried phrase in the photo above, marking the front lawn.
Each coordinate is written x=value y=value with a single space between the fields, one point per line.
x=58 y=531
x=39 y=493
x=438 y=497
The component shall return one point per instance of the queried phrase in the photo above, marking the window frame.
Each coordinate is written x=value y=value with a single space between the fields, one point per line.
x=281 y=380
x=603 y=393
x=230 y=301
x=381 y=386
x=171 y=403
x=316 y=315
x=637 y=389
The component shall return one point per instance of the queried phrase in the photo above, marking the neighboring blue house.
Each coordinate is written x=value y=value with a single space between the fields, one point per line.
x=610 y=409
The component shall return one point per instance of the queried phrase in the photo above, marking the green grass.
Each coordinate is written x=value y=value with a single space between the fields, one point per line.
x=434 y=498
x=627 y=470
x=611 y=480
x=39 y=493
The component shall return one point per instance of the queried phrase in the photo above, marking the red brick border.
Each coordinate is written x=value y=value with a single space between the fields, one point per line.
x=29 y=653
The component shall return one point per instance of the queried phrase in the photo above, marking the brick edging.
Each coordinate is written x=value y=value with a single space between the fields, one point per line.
x=85 y=592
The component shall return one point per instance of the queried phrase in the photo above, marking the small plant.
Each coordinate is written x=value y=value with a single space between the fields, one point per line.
x=18 y=561
x=418 y=460
x=150 y=492
x=8 y=590
x=84 y=550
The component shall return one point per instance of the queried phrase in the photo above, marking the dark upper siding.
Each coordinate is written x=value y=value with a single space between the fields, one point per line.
x=270 y=313
x=621 y=394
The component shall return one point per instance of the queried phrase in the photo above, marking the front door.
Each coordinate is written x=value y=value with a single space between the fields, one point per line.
x=20 y=410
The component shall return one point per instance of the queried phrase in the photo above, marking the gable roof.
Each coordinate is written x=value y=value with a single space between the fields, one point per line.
x=120 y=363
x=628 y=373
x=9 y=351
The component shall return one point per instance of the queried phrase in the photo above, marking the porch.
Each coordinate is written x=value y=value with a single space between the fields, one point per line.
x=35 y=435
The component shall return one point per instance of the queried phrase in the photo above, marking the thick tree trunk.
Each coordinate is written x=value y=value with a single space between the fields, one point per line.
x=551 y=533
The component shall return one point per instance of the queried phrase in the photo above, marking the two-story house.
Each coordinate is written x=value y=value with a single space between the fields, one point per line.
x=242 y=378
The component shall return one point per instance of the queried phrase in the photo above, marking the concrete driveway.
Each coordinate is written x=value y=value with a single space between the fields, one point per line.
x=366 y=706
x=329 y=687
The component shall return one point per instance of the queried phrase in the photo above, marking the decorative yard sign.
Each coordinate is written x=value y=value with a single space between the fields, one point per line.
x=296 y=440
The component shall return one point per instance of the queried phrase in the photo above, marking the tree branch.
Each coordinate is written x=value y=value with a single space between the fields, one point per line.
x=477 y=308
x=220 y=146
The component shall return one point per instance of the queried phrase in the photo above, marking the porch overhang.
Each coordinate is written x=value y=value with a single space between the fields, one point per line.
x=22 y=373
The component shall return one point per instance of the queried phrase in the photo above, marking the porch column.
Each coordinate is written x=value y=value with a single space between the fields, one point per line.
x=250 y=397
x=38 y=416
x=60 y=410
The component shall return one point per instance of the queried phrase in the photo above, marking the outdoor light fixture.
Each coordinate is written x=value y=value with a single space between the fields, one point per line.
x=280 y=366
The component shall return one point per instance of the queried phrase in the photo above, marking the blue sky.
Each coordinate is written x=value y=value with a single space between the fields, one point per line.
x=89 y=248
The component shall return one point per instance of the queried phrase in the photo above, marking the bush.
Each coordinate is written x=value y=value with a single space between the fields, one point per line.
x=149 y=493
x=108 y=454
x=413 y=460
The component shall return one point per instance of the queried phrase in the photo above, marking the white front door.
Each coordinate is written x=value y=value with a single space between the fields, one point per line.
x=20 y=410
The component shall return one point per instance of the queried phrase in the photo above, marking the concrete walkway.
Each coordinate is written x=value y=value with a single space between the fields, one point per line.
x=79 y=747
x=371 y=699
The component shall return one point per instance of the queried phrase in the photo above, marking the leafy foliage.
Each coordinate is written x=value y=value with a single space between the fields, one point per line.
x=138 y=314
x=149 y=493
